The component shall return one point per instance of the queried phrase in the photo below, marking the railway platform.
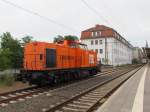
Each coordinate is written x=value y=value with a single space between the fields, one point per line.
x=132 y=96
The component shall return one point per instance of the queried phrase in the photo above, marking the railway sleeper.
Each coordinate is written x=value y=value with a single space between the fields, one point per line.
x=83 y=103
x=68 y=109
x=72 y=105
x=93 y=96
x=88 y=98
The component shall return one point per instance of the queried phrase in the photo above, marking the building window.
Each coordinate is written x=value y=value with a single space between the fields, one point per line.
x=101 y=51
x=91 y=42
x=99 y=33
x=96 y=50
x=96 y=34
x=93 y=34
x=100 y=42
x=103 y=60
x=96 y=42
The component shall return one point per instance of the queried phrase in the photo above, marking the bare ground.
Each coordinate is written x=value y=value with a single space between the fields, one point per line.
x=15 y=86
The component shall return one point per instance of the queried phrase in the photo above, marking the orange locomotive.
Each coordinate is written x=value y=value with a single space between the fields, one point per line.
x=53 y=62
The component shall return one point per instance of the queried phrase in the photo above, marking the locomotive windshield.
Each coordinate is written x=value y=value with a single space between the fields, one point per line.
x=83 y=46
x=79 y=45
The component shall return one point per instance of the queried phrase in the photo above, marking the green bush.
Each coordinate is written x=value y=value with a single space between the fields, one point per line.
x=7 y=80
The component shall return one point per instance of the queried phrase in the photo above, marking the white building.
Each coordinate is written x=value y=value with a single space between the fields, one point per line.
x=111 y=47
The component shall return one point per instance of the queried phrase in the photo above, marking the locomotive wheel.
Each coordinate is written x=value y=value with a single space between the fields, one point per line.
x=75 y=75
x=68 y=77
x=57 y=79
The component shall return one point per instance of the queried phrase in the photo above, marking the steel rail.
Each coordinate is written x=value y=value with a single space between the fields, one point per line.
x=15 y=95
x=75 y=98
x=22 y=93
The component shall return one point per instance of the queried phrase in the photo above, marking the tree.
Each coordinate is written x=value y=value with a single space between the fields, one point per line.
x=5 y=59
x=58 y=39
x=71 y=37
x=27 y=39
x=14 y=46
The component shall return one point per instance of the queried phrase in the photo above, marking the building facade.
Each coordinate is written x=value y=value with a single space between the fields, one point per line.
x=111 y=47
x=138 y=54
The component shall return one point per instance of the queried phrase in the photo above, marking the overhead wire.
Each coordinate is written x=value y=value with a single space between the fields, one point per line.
x=39 y=15
x=96 y=12
x=99 y=14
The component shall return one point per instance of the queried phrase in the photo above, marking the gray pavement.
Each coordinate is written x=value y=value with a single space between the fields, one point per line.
x=146 y=106
x=129 y=97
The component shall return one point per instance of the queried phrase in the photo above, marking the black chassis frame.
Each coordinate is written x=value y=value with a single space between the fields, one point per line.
x=27 y=75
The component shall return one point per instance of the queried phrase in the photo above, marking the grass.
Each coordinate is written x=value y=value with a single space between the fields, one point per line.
x=7 y=80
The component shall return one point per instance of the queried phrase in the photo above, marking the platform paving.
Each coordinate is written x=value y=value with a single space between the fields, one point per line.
x=146 y=106
x=132 y=96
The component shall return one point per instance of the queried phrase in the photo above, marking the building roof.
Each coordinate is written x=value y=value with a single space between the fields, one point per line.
x=98 y=28
x=106 y=32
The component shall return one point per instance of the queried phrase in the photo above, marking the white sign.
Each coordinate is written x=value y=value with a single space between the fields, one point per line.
x=91 y=59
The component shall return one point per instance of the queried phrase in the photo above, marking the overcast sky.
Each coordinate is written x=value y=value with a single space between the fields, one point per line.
x=131 y=18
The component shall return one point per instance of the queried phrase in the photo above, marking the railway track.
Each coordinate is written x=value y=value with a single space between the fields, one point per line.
x=35 y=87
x=11 y=97
x=88 y=100
x=21 y=95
